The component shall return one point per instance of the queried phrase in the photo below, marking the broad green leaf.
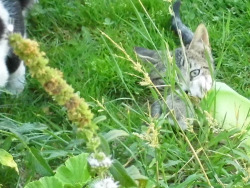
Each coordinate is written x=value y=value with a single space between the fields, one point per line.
x=6 y=159
x=120 y=174
x=13 y=128
x=40 y=163
x=74 y=172
x=113 y=134
x=24 y=128
x=29 y=127
x=46 y=182
x=77 y=185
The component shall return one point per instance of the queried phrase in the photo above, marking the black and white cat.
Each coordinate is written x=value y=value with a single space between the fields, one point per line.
x=12 y=69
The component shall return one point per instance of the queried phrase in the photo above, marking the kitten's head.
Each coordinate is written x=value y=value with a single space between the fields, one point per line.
x=194 y=74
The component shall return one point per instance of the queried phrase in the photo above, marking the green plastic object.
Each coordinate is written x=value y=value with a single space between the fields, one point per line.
x=229 y=108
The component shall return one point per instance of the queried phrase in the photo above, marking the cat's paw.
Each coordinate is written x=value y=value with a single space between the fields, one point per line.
x=15 y=90
x=16 y=81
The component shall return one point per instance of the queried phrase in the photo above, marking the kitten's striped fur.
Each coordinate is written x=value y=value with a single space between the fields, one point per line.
x=195 y=76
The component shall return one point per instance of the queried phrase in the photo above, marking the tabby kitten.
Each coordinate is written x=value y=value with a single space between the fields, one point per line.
x=194 y=76
x=12 y=70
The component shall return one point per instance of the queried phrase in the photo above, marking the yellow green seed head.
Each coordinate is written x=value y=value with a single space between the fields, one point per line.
x=53 y=82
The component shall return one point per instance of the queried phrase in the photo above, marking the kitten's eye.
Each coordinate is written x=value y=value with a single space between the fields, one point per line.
x=195 y=73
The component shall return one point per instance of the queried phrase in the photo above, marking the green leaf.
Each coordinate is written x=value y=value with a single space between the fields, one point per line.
x=241 y=155
x=77 y=185
x=6 y=159
x=74 y=172
x=189 y=180
x=30 y=127
x=172 y=163
x=104 y=145
x=149 y=184
x=136 y=175
x=24 y=128
x=7 y=143
x=99 y=119
x=40 y=163
x=223 y=135
x=113 y=134
x=45 y=182
x=53 y=154
x=108 y=21
x=13 y=128
x=120 y=174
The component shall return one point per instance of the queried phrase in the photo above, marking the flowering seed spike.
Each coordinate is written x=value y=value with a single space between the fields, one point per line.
x=52 y=80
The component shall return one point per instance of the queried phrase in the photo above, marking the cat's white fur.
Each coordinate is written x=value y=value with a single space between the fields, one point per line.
x=200 y=86
x=16 y=80
x=4 y=48
x=13 y=82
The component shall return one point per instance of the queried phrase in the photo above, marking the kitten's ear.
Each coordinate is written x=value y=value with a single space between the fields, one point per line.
x=148 y=55
x=200 y=39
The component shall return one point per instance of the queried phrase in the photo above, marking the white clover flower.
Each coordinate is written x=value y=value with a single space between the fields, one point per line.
x=105 y=183
x=99 y=160
x=107 y=162
x=94 y=163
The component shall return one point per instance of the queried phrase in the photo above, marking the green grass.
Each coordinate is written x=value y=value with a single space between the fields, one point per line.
x=69 y=33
